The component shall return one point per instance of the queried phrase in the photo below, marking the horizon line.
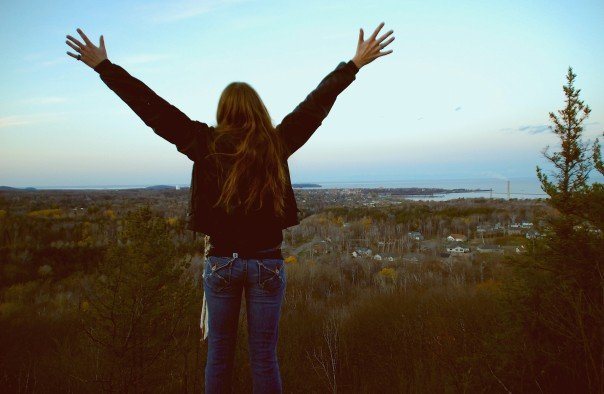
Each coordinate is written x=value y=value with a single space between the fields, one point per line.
x=293 y=182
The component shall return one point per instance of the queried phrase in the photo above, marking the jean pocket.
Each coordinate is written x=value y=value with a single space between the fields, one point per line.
x=271 y=274
x=217 y=272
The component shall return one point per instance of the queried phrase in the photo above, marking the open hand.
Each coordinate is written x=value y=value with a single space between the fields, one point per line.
x=91 y=54
x=368 y=51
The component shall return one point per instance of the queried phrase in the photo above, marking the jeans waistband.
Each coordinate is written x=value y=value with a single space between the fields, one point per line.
x=224 y=251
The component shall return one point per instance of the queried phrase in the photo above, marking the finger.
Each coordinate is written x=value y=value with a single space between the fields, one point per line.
x=73 y=46
x=102 y=42
x=72 y=55
x=88 y=42
x=382 y=38
x=384 y=53
x=377 y=30
x=384 y=45
x=76 y=41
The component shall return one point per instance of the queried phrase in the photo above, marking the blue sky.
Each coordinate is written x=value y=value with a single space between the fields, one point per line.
x=465 y=94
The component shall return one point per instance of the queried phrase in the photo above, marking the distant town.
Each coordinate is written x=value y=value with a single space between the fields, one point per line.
x=381 y=224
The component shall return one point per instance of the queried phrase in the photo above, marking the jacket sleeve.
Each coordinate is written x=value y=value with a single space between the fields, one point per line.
x=166 y=120
x=298 y=126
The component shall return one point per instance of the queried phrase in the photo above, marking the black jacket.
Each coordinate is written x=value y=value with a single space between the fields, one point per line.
x=190 y=138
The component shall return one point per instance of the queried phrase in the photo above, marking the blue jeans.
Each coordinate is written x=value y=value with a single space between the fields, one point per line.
x=264 y=281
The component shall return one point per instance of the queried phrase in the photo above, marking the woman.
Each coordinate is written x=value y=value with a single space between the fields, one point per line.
x=241 y=196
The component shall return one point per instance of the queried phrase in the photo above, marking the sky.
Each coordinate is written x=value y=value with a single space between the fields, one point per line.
x=466 y=92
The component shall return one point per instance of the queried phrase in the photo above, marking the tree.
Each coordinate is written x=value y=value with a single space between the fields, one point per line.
x=568 y=190
x=558 y=288
x=141 y=311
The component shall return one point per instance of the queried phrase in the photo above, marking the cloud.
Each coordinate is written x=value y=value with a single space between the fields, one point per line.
x=457 y=108
x=255 y=21
x=493 y=174
x=8 y=121
x=534 y=129
x=36 y=61
x=19 y=120
x=143 y=58
x=538 y=128
x=165 y=12
x=43 y=100
x=530 y=129
x=52 y=62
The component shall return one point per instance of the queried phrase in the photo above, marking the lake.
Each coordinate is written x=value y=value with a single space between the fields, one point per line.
x=520 y=187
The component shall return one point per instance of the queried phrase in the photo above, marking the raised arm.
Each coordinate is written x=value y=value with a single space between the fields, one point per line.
x=167 y=121
x=298 y=126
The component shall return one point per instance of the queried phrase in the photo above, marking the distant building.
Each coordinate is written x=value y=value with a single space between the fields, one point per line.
x=484 y=228
x=416 y=235
x=514 y=229
x=488 y=248
x=532 y=234
x=413 y=257
x=490 y=229
x=389 y=257
x=457 y=247
x=359 y=252
x=457 y=237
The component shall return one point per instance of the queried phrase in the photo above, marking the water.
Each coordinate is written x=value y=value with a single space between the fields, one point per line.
x=521 y=187
x=101 y=187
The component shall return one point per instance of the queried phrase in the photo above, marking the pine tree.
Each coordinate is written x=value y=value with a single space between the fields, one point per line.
x=559 y=285
x=571 y=162
x=141 y=314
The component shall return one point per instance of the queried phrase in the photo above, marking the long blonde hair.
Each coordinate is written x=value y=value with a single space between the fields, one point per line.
x=258 y=169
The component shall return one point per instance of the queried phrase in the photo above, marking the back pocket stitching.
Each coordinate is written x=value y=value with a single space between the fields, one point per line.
x=275 y=273
x=214 y=268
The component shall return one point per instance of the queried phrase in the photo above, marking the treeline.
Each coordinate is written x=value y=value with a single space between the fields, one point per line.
x=448 y=209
